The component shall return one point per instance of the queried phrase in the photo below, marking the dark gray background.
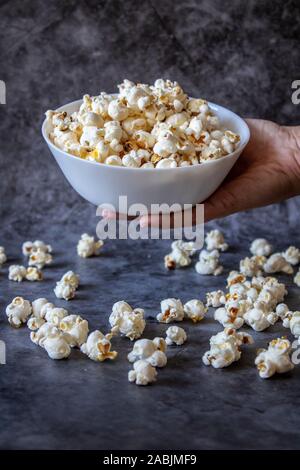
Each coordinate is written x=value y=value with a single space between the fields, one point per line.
x=241 y=54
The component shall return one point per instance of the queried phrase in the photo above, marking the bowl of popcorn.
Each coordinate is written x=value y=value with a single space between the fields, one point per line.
x=151 y=143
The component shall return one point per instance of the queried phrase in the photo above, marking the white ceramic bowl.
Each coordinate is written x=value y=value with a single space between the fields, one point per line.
x=103 y=184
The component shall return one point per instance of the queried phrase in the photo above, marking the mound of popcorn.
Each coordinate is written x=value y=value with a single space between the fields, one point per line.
x=143 y=126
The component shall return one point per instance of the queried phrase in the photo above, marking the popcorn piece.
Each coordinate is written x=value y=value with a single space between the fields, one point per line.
x=175 y=335
x=261 y=247
x=276 y=264
x=143 y=373
x=274 y=359
x=3 y=257
x=18 y=311
x=127 y=321
x=215 y=298
x=40 y=307
x=77 y=329
x=215 y=241
x=225 y=348
x=16 y=273
x=56 y=344
x=150 y=351
x=66 y=287
x=195 y=310
x=54 y=315
x=230 y=316
x=30 y=247
x=252 y=266
x=71 y=278
x=180 y=255
x=37 y=337
x=34 y=274
x=292 y=255
x=209 y=263
x=292 y=320
x=87 y=246
x=171 y=311
x=39 y=258
x=259 y=317
x=297 y=278
x=34 y=323
x=282 y=310
x=98 y=347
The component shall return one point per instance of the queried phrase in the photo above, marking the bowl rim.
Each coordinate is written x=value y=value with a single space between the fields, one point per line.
x=214 y=106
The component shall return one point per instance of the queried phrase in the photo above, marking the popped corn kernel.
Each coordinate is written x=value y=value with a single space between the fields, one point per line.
x=39 y=258
x=3 y=257
x=215 y=241
x=16 y=273
x=292 y=255
x=297 y=278
x=55 y=343
x=194 y=310
x=34 y=274
x=209 y=263
x=215 y=298
x=171 y=311
x=76 y=328
x=260 y=317
x=229 y=316
x=143 y=373
x=252 y=266
x=98 y=347
x=87 y=246
x=175 y=335
x=54 y=315
x=261 y=247
x=292 y=320
x=18 y=311
x=38 y=245
x=67 y=286
x=35 y=323
x=150 y=351
x=180 y=255
x=127 y=321
x=275 y=359
x=277 y=263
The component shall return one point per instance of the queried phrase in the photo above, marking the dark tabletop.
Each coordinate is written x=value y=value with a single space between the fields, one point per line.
x=243 y=55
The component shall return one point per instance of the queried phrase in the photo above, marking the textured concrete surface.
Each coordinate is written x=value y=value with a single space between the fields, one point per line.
x=240 y=54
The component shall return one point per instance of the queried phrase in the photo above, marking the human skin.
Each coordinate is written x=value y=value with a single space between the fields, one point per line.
x=267 y=172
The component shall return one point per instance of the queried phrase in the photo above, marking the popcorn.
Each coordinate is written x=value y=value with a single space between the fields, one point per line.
x=17 y=273
x=297 y=278
x=230 y=316
x=77 y=329
x=30 y=247
x=35 y=323
x=180 y=255
x=39 y=258
x=38 y=337
x=87 y=246
x=261 y=247
x=3 y=257
x=209 y=263
x=292 y=255
x=175 y=335
x=143 y=373
x=252 y=266
x=171 y=311
x=215 y=241
x=274 y=359
x=54 y=315
x=55 y=343
x=195 y=310
x=175 y=130
x=98 y=347
x=127 y=321
x=215 y=298
x=259 y=317
x=150 y=351
x=18 y=311
x=225 y=348
x=276 y=264
x=38 y=307
x=292 y=320
x=34 y=274
x=66 y=287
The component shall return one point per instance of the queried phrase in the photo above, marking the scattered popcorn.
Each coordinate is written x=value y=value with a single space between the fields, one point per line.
x=215 y=298
x=143 y=373
x=39 y=258
x=175 y=335
x=282 y=310
x=274 y=359
x=34 y=323
x=77 y=329
x=252 y=266
x=259 y=317
x=54 y=315
x=292 y=255
x=160 y=121
x=209 y=263
x=230 y=316
x=30 y=247
x=171 y=311
x=98 y=347
x=87 y=246
x=292 y=320
x=66 y=287
x=150 y=351
x=225 y=348
x=127 y=321
x=71 y=278
x=40 y=307
x=215 y=241
x=18 y=311
x=56 y=344
x=17 y=273
x=261 y=247
x=180 y=255
x=276 y=264
x=3 y=257
x=34 y=274
x=37 y=337
x=194 y=310
x=297 y=278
